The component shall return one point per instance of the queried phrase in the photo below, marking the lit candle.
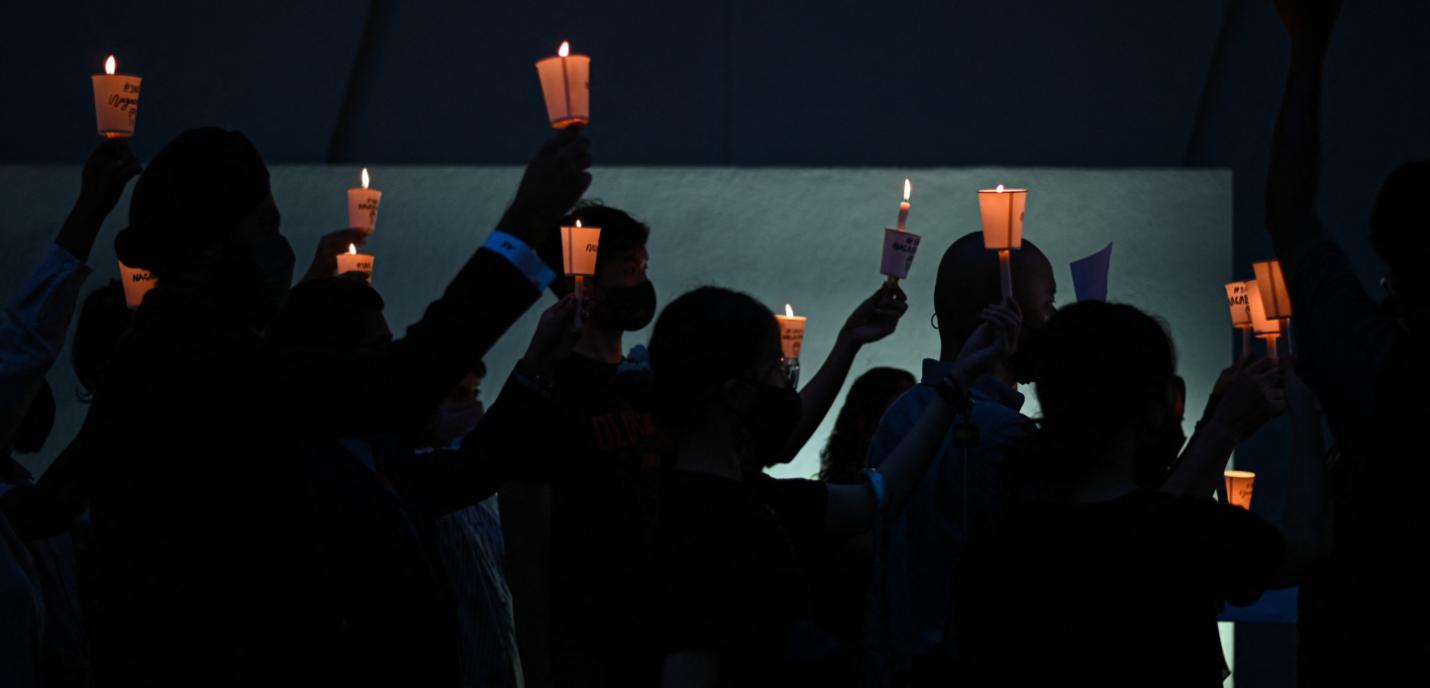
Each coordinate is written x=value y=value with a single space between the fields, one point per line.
x=904 y=207
x=579 y=248
x=136 y=283
x=352 y=261
x=1238 y=488
x=1272 y=284
x=1240 y=306
x=362 y=205
x=566 y=84
x=1263 y=327
x=791 y=333
x=116 y=101
x=1002 y=211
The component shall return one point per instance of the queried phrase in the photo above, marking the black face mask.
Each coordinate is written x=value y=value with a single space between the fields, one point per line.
x=257 y=278
x=1157 y=450
x=628 y=308
x=769 y=421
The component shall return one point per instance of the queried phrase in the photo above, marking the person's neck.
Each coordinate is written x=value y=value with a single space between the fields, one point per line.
x=1000 y=371
x=1109 y=479
x=705 y=447
x=600 y=343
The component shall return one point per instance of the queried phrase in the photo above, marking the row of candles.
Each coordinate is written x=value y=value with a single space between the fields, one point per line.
x=1260 y=307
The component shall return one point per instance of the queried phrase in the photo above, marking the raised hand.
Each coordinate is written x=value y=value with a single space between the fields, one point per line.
x=877 y=317
x=325 y=257
x=1255 y=395
x=554 y=181
x=556 y=333
x=994 y=340
x=106 y=172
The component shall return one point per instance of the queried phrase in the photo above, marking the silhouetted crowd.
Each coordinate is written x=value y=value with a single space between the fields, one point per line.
x=269 y=488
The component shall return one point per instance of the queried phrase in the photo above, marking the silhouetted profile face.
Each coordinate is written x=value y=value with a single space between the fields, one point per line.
x=968 y=281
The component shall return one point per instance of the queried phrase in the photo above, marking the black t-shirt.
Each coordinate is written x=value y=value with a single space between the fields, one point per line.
x=600 y=459
x=733 y=568
x=1123 y=592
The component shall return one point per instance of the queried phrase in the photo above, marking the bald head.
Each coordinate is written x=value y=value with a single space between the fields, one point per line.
x=968 y=282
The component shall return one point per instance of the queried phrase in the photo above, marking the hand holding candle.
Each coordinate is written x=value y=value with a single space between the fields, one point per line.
x=362 y=205
x=566 y=84
x=1002 y=210
x=116 y=101
x=352 y=261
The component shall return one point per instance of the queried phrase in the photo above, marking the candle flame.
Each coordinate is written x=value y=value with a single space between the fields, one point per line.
x=365 y=179
x=999 y=189
x=907 y=188
x=789 y=311
x=564 y=50
x=109 y=66
x=578 y=223
x=352 y=249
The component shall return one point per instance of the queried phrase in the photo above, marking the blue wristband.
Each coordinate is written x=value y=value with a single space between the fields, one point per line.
x=521 y=257
x=876 y=484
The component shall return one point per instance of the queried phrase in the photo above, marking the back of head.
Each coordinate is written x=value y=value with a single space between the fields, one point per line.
x=103 y=320
x=704 y=338
x=868 y=398
x=1400 y=229
x=620 y=233
x=968 y=281
x=332 y=313
x=191 y=196
x=1101 y=365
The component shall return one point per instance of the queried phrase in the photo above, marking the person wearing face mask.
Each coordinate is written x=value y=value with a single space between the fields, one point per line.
x=201 y=580
x=576 y=508
x=1101 y=571
x=735 y=546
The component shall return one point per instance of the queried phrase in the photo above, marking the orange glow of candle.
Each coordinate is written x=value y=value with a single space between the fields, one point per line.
x=791 y=333
x=1238 y=488
x=116 y=100
x=363 y=203
x=352 y=261
x=566 y=86
x=904 y=206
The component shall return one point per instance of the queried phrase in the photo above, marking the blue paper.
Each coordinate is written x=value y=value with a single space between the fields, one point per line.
x=1090 y=275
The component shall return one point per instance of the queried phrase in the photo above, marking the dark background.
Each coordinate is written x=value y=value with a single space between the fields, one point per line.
x=1113 y=83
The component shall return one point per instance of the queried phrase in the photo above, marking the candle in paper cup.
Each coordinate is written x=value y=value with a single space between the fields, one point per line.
x=1238 y=488
x=566 y=84
x=579 y=247
x=352 y=261
x=899 y=250
x=362 y=205
x=1002 y=210
x=1263 y=327
x=791 y=332
x=1239 y=304
x=1272 y=284
x=116 y=101
x=136 y=283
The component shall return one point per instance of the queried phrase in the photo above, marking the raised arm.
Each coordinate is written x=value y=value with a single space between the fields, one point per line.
x=1306 y=521
x=1293 y=178
x=1247 y=398
x=34 y=323
x=853 y=507
x=874 y=319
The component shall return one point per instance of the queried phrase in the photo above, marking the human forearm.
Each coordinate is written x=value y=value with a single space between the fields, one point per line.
x=1293 y=176
x=1199 y=469
x=818 y=396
